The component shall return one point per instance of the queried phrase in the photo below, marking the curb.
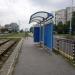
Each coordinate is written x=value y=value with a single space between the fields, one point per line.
x=8 y=67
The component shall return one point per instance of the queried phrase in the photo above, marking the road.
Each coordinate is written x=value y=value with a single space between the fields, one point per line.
x=36 y=61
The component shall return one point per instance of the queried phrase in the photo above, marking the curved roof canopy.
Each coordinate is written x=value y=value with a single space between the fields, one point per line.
x=40 y=17
x=35 y=20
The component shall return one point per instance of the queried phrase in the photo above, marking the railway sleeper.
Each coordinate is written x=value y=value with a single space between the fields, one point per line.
x=4 y=42
x=6 y=47
x=6 y=53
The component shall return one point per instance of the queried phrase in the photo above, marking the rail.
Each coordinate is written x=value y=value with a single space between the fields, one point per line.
x=5 y=50
x=66 y=47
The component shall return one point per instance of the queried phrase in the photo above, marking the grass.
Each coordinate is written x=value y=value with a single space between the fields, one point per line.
x=68 y=36
x=12 y=35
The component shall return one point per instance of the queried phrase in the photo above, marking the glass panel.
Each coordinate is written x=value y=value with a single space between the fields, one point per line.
x=42 y=14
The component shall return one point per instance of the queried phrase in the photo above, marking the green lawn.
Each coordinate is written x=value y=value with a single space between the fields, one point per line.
x=66 y=36
x=12 y=35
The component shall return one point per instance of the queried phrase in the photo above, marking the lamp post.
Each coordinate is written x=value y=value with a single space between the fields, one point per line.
x=71 y=19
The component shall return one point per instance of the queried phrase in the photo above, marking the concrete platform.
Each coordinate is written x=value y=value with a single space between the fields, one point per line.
x=36 y=61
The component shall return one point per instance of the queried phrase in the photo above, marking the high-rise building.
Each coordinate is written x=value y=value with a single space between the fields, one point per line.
x=69 y=12
x=60 y=16
x=64 y=15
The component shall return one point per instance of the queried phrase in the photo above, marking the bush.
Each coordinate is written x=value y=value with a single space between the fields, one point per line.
x=60 y=28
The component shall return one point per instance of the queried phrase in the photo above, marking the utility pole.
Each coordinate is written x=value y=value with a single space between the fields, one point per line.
x=71 y=18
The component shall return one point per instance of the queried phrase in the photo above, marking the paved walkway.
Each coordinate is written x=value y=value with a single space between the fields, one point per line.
x=36 y=61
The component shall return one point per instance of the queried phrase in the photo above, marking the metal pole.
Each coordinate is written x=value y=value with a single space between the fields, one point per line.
x=71 y=19
x=74 y=54
x=43 y=33
x=40 y=34
x=25 y=33
x=55 y=18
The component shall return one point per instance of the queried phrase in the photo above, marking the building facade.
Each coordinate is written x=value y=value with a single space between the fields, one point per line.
x=64 y=15
x=69 y=12
x=60 y=16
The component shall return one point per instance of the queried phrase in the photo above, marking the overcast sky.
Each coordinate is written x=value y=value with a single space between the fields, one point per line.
x=20 y=10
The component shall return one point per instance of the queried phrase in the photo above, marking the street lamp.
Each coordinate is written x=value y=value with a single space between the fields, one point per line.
x=71 y=19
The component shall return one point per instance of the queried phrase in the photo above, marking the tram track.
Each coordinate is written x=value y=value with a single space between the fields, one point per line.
x=3 y=41
x=6 y=48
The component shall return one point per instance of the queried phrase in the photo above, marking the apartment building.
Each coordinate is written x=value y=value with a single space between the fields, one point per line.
x=69 y=13
x=64 y=15
x=60 y=16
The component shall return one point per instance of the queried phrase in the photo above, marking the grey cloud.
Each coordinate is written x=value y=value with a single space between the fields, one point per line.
x=14 y=10
x=50 y=4
x=41 y=3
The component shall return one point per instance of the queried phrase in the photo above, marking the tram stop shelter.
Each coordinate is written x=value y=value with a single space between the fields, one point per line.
x=43 y=29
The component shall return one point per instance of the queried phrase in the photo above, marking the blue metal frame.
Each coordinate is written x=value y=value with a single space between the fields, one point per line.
x=35 y=19
x=43 y=33
x=36 y=37
x=49 y=16
x=48 y=36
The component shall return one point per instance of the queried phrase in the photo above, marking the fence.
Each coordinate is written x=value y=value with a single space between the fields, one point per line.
x=66 y=47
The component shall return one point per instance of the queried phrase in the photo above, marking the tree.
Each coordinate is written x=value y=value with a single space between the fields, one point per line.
x=4 y=30
x=60 y=28
x=54 y=27
x=73 y=23
x=21 y=30
x=66 y=27
x=31 y=29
